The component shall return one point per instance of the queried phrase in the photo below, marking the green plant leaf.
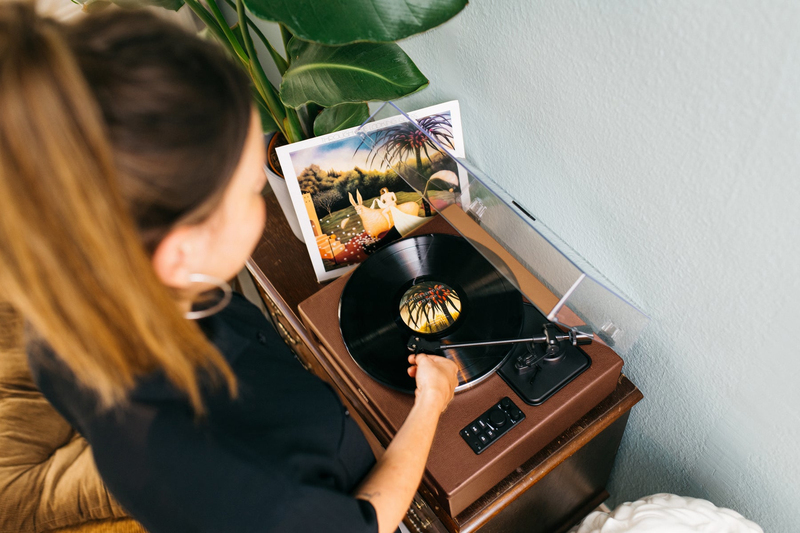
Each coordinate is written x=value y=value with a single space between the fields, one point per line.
x=268 y=124
x=237 y=33
x=331 y=75
x=340 y=117
x=347 y=21
x=307 y=114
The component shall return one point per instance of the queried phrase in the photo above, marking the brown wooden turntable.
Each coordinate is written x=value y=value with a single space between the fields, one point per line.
x=543 y=475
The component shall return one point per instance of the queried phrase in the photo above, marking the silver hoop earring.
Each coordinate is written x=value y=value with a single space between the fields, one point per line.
x=220 y=284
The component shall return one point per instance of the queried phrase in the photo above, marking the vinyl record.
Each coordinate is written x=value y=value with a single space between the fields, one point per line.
x=436 y=286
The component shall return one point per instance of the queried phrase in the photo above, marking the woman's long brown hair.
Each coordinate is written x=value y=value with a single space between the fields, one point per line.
x=72 y=257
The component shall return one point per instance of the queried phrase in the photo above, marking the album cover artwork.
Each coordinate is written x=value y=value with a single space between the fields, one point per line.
x=348 y=192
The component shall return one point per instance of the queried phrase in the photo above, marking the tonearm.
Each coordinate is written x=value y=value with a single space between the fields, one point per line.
x=552 y=337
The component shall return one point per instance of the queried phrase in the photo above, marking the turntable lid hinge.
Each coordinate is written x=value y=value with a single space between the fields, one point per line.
x=476 y=210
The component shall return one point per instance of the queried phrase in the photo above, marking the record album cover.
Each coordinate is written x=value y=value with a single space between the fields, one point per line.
x=348 y=196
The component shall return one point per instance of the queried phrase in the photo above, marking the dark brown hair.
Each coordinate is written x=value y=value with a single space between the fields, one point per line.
x=176 y=110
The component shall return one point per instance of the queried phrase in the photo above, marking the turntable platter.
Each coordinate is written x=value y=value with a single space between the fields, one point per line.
x=436 y=286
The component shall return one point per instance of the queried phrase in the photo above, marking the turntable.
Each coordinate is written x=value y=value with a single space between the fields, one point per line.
x=532 y=328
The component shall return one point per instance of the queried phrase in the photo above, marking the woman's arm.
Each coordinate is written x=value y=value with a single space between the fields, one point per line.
x=392 y=483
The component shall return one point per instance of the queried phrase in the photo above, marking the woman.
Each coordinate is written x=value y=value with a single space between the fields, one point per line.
x=130 y=175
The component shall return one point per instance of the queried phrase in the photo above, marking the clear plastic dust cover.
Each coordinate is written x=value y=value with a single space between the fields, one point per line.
x=553 y=277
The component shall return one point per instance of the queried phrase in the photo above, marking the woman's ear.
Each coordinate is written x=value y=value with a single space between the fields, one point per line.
x=175 y=257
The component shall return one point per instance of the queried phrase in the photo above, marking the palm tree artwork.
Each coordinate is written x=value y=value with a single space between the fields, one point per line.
x=430 y=307
x=396 y=144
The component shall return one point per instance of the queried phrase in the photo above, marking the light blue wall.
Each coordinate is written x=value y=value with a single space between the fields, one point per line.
x=661 y=140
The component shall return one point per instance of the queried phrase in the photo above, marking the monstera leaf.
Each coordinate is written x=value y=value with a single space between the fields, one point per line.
x=331 y=75
x=346 y=21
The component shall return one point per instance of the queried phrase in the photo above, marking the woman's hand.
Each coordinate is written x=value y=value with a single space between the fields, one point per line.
x=437 y=378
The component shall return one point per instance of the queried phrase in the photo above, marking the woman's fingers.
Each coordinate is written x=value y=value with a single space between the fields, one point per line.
x=436 y=376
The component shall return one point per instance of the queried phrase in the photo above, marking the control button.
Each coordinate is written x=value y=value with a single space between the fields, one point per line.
x=497 y=418
x=491 y=425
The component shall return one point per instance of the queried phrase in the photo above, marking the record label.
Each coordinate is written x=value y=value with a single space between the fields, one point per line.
x=430 y=307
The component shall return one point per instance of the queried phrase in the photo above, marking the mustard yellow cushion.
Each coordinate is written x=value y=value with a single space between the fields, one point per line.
x=48 y=479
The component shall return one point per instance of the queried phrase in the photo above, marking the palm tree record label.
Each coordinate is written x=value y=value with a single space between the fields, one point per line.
x=430 y=307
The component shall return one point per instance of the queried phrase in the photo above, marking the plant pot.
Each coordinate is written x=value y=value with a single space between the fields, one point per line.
x=278 y=185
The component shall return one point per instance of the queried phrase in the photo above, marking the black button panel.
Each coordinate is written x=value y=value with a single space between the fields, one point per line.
x=492 y=425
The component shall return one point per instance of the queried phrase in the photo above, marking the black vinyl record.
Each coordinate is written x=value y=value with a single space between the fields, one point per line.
x=435 y=286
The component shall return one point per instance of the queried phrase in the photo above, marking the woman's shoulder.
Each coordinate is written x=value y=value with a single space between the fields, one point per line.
x=239 y=329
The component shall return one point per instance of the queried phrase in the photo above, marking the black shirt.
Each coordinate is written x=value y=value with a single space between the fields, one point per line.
x=283 y=457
